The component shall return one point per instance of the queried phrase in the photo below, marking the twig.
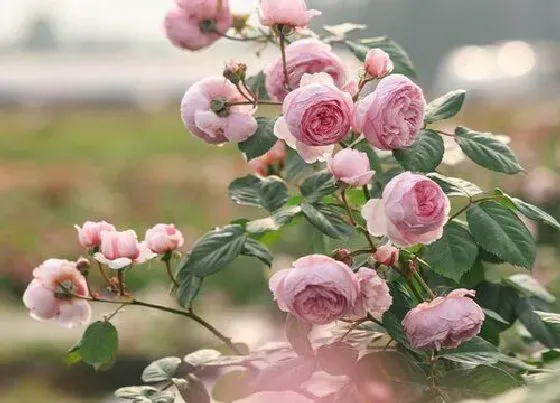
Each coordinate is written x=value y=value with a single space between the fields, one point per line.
x=282 y=40
x=424 y=285
x=169 y=272
x=348 y=209
x=103 y=274
x=120 y=276
x=255 y=103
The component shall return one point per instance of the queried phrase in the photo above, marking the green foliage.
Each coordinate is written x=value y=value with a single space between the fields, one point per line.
x=254 y=248
x=544 y=332
x=268 y=192
x=529 y=286
x=499 y=231
x=532 y=212
x=99 y=344
x=188 y=289
x=161 y=370
x=424 y=155
x=487 y=151
x=399 y=57
x=262 y=141
x=257 y=85
x=445 y=107
x=480 y=352
x=328 y=220
x=455 y=186
x=315 y=187
x=275 y=222
x=295 y=167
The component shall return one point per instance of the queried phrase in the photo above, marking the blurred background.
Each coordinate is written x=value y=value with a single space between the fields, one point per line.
x=90 y=129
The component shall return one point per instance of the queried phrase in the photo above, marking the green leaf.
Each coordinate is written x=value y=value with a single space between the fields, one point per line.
x=454 y=253
x=315 y=187
x=188 y=289
x=394 y=328
x=232 y=386
x=534 y=213
x=257 y=85
x=161 y=370
x=214 y=251
x=254 y=248
x=445 y=107
x=549 y=317
x=99 y=343
x=192 y=390
x=424 y=155
x=260 y=142
x=344 y=28
x=275 y=222
x=455 y=186
x=487 y=151
x=296 y=168
x=133 y=392
x=499 y=298
x=399 y=57
x=327 y=220
x=529 y=286
x=269 y=192
x=499 y=231
x=544 y=332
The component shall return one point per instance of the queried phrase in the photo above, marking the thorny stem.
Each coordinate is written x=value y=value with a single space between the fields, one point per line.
x=248 y=98
x=361 y=85
x=419 y=278
x=169 y=272
x=348 y=209
x=355 y=225
x=282 y=41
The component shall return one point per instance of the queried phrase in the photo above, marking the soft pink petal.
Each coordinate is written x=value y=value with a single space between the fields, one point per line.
x=374 y=214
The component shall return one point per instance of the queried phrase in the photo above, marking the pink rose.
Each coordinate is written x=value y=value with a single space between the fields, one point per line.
x=351 y=167
x=413 y=209
x=374 y=297
x=391 y=117
x=318 y=289
x=378 y=64
x=316 y=116
x=445 y=322
x=387 y=255
x=196 y=24
x=275 y=156
x=52 y=293
x=305 y=56
x=205 y=114
x=164 y=238
x=90 y=232
x=288 y=12
x=121 y=248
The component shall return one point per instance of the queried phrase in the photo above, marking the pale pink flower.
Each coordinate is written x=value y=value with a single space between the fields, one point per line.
x=206 y=116
x=351 y=167
x=287 y=12
x=445 y=322
x=387 y=255
x=191 y=23
x=317 y=289
x=378 y=64
x=275 y=156
x=413 y=209
x=374 y=297
x=120 y=249
x=89 y=233
x=307 y=56
x=391 y=117
x=164 y=238
x=54 y=293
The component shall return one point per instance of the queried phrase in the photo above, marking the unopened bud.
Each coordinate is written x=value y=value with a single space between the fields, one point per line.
x=240 y=22
x=387 y=255
x=235 y=72
x=343 y=255
x=83 y=266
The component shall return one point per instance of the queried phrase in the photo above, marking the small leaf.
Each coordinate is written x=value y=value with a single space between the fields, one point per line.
x=297 y=334
x=257 y=85
x=544 y=332
x=231 y=386
x=132 y=392
x=274 y=223
x=474 y=352
x=254 y=248
x=99 y=343
x=269 y=192
x=499 y=298
x=161 y=370
x=445 y=107
x=424 y=155
x=534 y=213
x=499 y=231
x=454 y=253
x=487 y=151
x=344 y=28
x=398 y=55
x=315 y=187
x=530 y=286
x=482 y=381
x=549 y=317
x=188 y=289
x=260 y=142
x=192 y=390
x=295 y=168
x=455 y=186
x=327 y=220
x=202 y=357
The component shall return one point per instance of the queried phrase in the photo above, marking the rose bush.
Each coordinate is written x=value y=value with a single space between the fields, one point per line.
x=412 y=315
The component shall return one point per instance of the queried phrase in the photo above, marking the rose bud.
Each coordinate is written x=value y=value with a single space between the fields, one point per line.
x=121 y=249
x=387 y=255
x=316 y=116
x=317 y=289
x=343 y=255
x=163 y=238
x=374 y=297
x=351 y=167
x=413 y=209
x=196 y=24
x=391 y=117
x=378 y=64
x=305 y=56
x=55 y=291
x=275 y=157
x=235 y=72
x=206 y=115
x=90 y=232
x=293 y=13
x=445 y=322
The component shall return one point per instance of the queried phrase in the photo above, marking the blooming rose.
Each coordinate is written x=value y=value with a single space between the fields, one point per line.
x=445 y=322
x=53 y=290
x=305 y=56
x=318 y=289
x=288 y=12
x=391 y=117
x=386 y=255
x=316 y=116
x=121 y=248
x=164 y=238
x=205 y=114
x=351 y=167
x=378 y=64
x=90 y=232
x=275 y=156
x=196 y=24
x=413 y=209
x=374 y=294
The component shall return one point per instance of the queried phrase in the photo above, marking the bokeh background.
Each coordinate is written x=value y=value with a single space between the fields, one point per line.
x=90 y=129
